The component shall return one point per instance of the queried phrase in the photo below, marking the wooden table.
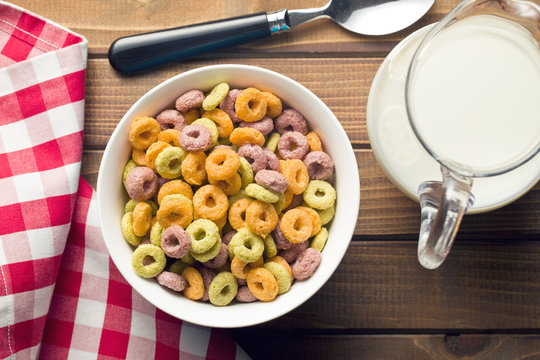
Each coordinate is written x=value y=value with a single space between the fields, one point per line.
x=483 y=303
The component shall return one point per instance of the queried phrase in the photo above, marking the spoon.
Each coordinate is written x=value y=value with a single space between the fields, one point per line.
x=366 y=17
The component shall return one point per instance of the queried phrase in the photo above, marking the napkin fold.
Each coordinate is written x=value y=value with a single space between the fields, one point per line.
x=60 y=294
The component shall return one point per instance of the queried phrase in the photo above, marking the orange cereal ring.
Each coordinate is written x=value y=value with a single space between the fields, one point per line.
x=190 y=116
x=139 y=156
x=175 y=212
x=170 y=136
x=210 y=202
x=261 y=218
x=230 y=186
x=175 y=187
x=262 y=284
x=222 y=163
x=193 y=168
x=237 y=213
x=246 y=135
x=240 y=268
x=142 y=218
x=296 y=226
x=313 y=141
x=273 y=104
x=315 y=219
x=153 y=151
x=143 y=132
x=296 y=172
x=288 y=198
x=278 y=259
x=223 y=121
x=194 y=289
x=250 y=105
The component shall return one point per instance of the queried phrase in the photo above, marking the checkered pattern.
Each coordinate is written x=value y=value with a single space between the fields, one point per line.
x=60 y=294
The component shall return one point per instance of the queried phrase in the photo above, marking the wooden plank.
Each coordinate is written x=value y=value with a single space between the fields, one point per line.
x=384 y=210
x=284 y=345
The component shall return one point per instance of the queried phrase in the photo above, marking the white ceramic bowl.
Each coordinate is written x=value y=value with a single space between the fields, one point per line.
x=112 y=197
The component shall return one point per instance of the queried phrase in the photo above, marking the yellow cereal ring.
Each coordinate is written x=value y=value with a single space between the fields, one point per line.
x=237 y=213
x=216 y=95
x=193 y=168
x=282 y=262
x=142 y=218
x=229 y=186
x=296 y=226
x=195 y=286
x=241 y=268
x=178 y=266
x=273 y=141
x=211 y=126
x=296 y=173
x=153 y=151
x=262 y=218
x=270 y=248
x=319 y=194
x=314 y=142
x=175 y=212
x=223 y=121
x=143 y=132
x=250 y=105
x=240 y=195
x=139 y=157
x=319 y=240
x=246 y=135
x=326 y=215
x=204 y=234
x=130 y=205
x=274 y=107
x=282 y=276
x=127 y=230
x=170 y=136
x=169 y=161
x=222 y=163
x=210 y=202
x=155 y=267
x=130 y=165
x=175 y=187
x=262 y=284
x=261 y=193
x=223 y=289
x=249 y=248
x=155 y=234
x=191 y=115
x=209 y=254
x=246 y=172
x=315 y=219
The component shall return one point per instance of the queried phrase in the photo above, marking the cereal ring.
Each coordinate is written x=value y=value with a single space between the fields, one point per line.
x=245 y=135
x=155 y=234
x=296 y=201
x=264 y=126
x=175 y=242
x=204 y=234
x=262 y=284
x=142 y=218
x=222 y=120
x=281 y=274
x=193 y=168
x=319 y=195
x=246 y=172
x=250 y=105
x=270 y=248
x=228 y=236
x=170 y=119
x=175 y=212
x=315 y=219
x=255 y=155
x=210 y=202
x=244 y=295
x=296 y=172
x=241 y=268
x=141 y=183
x=127 y=230
x=313 y=141
x=319 y=164
x=153 y=268
x=220 y=259
x=153 y=151
x=170 y=136
x=161 y=181
x=296 y=226
x=211 y=126
x=139 y=157
x=216 y=96
x=237 y=213
x=208 y=255
x=178 y=266
x=247 y=246
x=272 y=162
x=175 y=187
x=273 y=104
x=130 y=165
x=222 y=163
x=240 y=195
x=272 y=180
x=130 y=205
x=221 y=222
x=306 y=264
x=207 y=276
x=190 y=116
x=258 y=192
x=143 y=132
x=171 y=280
x=189 y=100
x=223 y=289
x=261 y=218
x=326 y=215
x=194 y=289
x=227 y=104
x=273 y=141
x=291 y=120
x=229 y=186
x=281 y=261
x=293 y=145
x=280 y=239
x=280 y=204
x=169 y=162
x=242 y=282
x=319 y=240
x=292 y=253
x=195 y=137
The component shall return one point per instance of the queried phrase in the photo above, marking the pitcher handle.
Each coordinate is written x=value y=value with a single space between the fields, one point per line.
x=443 y=206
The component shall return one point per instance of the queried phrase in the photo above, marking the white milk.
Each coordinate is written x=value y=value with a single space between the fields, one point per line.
x=476 y=94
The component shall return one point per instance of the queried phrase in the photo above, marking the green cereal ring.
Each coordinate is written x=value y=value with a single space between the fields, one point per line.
x=224 y=141
x=130 y=165
x=216 y=96
x=273 y=141
x=238 y=196
x=319 y=240
x=169 y=162
x=155 y=234
x=210 y=254
x=280 y=204
x=178 y=266
x=326 y=215
x=127 y=230
x=210 y=125
x=246 y=172
x=281 y=274
x=260 y=193
x=270 y=249
x=235 y=147
x=188 y=259
x=130 y=205
x=155 y=267
x=319 y=195
x=222 y=289
x=249 y=247
x=177 y=196
x=204 y=235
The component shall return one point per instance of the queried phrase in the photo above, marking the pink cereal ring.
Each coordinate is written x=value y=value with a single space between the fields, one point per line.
x=280 y=239
x=227 y=104
x=291 y=120
x=227 y=237
x=220 y=259
x=272 y=161
x=265 y=125
x=306 y=264
x=319 y=164
x=292 y=253
x=241 y=282
x=296 y=201
x=175 y=241
x=195 y=138
x=272 y=180
x=171 y=280
x=255 y=155
x=244 y=295
x=207 y=276
x=141 y=183
x=170 y=119
x=190 y=100
x=293 y=145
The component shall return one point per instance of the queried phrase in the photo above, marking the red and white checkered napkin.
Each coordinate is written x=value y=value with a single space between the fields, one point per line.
x=61 y=295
